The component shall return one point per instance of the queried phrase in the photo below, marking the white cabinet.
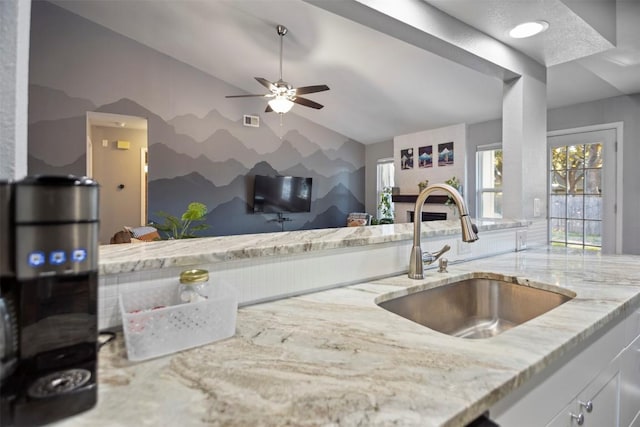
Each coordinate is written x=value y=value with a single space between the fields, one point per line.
x=603 y=397
x=630 y=385
x=597 y=385
x=597 y=405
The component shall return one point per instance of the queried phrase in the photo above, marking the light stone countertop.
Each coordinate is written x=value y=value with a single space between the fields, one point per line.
x=126 y=258
x=334 y=358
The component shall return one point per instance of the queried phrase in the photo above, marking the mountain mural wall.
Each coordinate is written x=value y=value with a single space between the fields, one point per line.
x=208 y=157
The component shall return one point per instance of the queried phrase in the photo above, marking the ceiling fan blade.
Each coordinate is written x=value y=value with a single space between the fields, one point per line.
x=267 y=95
x=307 y=102
x=266 y=83
x=268 y=109
x=311 y=89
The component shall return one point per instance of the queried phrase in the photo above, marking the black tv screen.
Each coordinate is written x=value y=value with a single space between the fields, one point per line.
x=273 y=194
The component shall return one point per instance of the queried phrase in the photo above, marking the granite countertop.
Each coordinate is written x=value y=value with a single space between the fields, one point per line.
x=125 y=258
x=335 y=358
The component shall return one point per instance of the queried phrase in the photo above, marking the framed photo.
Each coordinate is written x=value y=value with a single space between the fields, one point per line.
x=425 y=156
x=406 y=158
x=445 y=154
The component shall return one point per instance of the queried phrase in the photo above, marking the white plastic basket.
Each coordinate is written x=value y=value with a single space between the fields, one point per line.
x=155 y=323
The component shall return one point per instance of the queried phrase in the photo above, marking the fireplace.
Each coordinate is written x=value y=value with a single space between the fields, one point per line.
x=429 y=216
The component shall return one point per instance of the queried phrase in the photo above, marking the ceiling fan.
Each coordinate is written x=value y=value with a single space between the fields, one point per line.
x=283 y=95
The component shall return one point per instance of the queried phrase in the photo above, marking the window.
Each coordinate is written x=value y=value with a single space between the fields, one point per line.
x=489 y=183
x=385 y=172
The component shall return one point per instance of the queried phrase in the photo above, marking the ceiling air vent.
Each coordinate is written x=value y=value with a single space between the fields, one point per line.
x=253 y=121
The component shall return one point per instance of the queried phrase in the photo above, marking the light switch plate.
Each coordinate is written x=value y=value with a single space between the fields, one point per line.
x=521 y=240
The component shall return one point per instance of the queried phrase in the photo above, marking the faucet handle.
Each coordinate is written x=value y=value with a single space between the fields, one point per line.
x=431 y=257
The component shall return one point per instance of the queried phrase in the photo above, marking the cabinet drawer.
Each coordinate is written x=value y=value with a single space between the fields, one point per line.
x=597 y=405
x=603 y=394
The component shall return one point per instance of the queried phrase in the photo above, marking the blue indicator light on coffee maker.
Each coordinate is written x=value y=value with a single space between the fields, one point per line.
x=79 y=255
x=36 y=259
x=57 y=257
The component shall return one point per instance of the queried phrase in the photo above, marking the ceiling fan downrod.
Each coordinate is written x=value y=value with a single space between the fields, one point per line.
x=282 y=31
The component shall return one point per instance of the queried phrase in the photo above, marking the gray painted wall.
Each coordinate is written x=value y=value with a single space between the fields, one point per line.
x=624 y=109
x=373 y=153
x=198 y=148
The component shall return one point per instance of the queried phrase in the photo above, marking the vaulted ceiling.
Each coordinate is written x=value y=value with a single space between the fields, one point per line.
x=382 y=85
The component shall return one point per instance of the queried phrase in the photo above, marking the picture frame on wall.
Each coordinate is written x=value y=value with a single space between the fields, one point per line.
x=406 y=158
x=445 y=154
x=425 y=156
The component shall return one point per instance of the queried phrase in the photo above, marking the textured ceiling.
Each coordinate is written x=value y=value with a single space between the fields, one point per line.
x=569 y=37
x=380 y=86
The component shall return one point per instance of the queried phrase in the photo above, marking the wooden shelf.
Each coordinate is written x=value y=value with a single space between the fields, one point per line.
x=411 y=198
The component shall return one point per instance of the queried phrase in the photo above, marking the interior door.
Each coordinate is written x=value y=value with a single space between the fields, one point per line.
x=582 y=190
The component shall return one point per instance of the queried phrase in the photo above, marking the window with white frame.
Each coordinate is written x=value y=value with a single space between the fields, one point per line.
x=385 y=172
x=489 y=182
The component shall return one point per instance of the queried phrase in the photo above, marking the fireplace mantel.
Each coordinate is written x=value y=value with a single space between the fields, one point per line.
x=411 y=198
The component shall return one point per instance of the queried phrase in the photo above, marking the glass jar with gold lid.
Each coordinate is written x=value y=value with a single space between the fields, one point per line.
x=194 y=285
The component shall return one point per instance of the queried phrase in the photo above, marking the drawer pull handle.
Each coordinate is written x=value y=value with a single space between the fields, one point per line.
x=588 y=405
x=579 y=418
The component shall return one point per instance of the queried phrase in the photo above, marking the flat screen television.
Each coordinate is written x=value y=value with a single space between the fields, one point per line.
x=274 y=194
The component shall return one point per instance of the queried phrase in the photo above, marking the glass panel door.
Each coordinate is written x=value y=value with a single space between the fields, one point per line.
x=582 y=190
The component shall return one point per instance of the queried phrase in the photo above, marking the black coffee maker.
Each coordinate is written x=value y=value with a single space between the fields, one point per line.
x=48 y=298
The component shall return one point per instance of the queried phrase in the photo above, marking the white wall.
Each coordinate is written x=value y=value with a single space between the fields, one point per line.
x=524 y=124
x=408 y=179
x=14 y=75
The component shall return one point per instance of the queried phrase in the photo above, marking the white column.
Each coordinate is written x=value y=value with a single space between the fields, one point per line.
x=14 y=82
x=524 y=145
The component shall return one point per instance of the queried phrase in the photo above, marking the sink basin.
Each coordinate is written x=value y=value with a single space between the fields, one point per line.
x=477 y=307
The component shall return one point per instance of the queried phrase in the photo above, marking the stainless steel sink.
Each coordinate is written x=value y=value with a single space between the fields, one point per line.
x=477 y=307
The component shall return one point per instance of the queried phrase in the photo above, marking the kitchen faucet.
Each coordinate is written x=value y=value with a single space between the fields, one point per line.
x=416 y=266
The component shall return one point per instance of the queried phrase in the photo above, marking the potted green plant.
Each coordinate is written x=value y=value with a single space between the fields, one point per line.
x=384 y=207
x=184 y=227
x=455 y=183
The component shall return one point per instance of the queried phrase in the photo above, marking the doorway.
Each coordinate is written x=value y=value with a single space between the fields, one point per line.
x=117 y=158
x=583 y=196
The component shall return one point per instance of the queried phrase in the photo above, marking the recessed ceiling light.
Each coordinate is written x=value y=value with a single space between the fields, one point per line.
x=528 y=29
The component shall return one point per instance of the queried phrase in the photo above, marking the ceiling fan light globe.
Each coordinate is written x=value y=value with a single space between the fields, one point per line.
x=280 y=104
